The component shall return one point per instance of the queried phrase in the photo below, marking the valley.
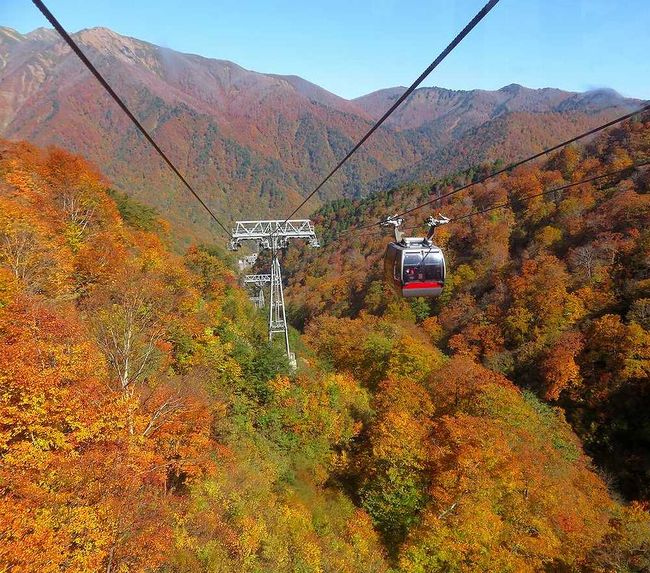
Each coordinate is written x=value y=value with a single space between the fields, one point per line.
x=150 y=423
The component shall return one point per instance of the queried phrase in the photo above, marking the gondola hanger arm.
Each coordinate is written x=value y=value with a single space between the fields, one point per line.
x=396 y=223
x=434 y=222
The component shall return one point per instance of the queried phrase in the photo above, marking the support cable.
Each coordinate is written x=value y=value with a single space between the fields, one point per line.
x=461 y=35
x=77 y=50
x=531 y=158
x=527 y=198
x=508 y=167
x=555 y=190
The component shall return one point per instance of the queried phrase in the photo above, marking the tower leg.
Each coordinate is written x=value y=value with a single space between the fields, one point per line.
x=277 y=314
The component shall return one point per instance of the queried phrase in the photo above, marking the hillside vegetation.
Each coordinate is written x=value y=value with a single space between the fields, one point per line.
x=147 y=425
x=553 y=293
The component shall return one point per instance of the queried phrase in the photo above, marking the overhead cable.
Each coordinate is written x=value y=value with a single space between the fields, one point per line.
x=508 y=167
x=555 y=190
x=77 y=50
x=527 y=198
x=461 y=35
x=528 y=159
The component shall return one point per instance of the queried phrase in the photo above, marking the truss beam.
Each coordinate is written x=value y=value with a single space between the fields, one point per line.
x=259 y=282
x=273 y=234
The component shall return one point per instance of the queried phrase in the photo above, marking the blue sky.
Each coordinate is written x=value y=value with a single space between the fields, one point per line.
x=352 y=47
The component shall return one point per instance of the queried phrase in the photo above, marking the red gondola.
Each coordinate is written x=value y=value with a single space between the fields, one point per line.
x=414 y=266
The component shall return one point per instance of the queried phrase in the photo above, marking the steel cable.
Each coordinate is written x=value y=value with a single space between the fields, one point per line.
x=77 y=50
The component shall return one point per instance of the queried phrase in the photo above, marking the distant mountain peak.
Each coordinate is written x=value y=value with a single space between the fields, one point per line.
x=513 y=87
x=604 y=91
x=104 y=38
x=99 y=32
x=43 y=34
x=11 y=34
x=390 y=93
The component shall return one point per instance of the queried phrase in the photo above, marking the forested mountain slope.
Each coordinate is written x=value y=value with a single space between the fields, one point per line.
x=553 y=293
x=254 y=144
x=146 y=425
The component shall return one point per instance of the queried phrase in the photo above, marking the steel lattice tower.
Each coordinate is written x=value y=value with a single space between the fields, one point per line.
x=258 y=281
x=273 y=235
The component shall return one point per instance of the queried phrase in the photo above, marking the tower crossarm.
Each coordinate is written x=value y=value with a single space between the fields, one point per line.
x=273 y=233
x=258 y=280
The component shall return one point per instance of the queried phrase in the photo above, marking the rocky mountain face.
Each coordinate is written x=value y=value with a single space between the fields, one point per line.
x=254 y=144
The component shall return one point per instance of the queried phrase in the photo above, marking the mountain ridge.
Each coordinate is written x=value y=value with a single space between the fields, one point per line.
x=254 y=143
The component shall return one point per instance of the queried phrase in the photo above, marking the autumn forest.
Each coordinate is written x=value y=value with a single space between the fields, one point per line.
x=171 y=403
x=146 y=424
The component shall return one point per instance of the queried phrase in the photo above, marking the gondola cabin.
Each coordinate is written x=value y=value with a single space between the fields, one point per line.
x=415 y=267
